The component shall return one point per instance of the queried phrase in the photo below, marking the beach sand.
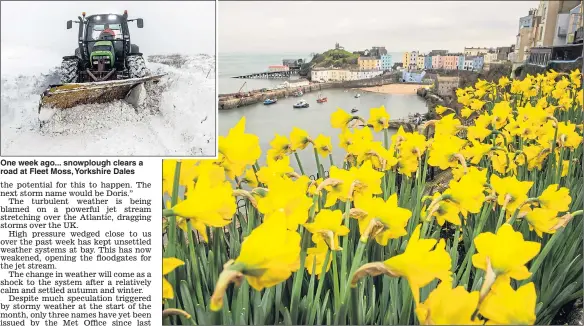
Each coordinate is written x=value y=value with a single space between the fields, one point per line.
x=394 y=88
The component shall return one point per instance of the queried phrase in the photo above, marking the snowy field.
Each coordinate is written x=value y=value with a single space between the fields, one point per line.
x=179 y=119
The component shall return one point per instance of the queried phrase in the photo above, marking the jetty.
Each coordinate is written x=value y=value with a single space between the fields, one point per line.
x=270 y=74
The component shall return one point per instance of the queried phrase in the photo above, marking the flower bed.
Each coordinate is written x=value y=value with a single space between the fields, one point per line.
x=250 y=244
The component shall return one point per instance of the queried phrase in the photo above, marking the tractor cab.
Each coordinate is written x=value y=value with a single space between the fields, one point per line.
x=104 y=46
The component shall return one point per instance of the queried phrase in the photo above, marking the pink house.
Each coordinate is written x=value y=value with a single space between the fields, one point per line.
x=437 y=61
x=449 y=62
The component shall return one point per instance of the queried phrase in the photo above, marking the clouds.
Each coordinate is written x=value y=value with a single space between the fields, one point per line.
x=169 y=26
x=400 y=26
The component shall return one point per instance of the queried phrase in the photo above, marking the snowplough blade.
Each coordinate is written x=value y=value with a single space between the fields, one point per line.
x=66 y=96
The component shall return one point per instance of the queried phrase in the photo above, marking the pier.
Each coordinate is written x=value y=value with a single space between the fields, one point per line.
x=270 y=74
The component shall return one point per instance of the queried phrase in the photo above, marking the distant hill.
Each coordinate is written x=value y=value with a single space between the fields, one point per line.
x=335 y=58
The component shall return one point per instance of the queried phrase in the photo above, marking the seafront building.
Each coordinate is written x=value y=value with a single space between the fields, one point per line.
x=324 y=75
x=386 y=62
x=475 y=51
x=420 y=62
x=368 y=63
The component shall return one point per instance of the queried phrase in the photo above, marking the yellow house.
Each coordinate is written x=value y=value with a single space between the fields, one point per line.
x=406 y=59
x=368 y=63
x=420 y=62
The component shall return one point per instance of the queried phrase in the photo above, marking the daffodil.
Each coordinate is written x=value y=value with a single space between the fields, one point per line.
x=443 y=151
x=340 y=119
x=419 y=264
x=316 y=257
x=448 y=306
x=186 y=176
x=168 y=265
x=323 y=145
x=503 y=81
x=299 y=139
x=476 y=152
x=507 y=251
x=327 y=226
x=468 y=192
x=270 y=253
x=212 y=205
x=281 y=144
x=289 y=197
x=542 y=220
x=555 y=198
x=274 y=169
x=567 y=135
x=443 y=211
x=250 y=178
x=240 y=149
x=505 y=306
x=501 y=112
x=379 y=118
x=392 y=218
x=448 y=125
x=511 y=192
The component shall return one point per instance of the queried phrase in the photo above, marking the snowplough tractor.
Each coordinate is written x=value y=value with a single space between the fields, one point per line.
x=106 y=65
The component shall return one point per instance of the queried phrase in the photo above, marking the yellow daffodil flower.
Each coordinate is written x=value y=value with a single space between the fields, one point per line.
x=240 y=149
x=505 y=306
x=316 y=257
x=379 y=118
x=270 y=253
x=419 y=264
x=511 y=192
x=299 y=139
x=289 y=197
x=274 y=169
x=507 y=251
x=541 y=220
x=323 y=145
x=281 y=144
x=393 y=218
x=327 y=226
x=555 y=198
x=448 y=306
x=340 y=119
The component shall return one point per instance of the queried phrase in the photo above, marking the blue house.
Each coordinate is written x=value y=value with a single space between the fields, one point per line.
x=460 y=62
x=428 y=62
x=386 y=62
x=478 y=62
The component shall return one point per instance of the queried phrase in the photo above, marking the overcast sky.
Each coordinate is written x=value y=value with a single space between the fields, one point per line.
x=169 y=26
x=313 y=26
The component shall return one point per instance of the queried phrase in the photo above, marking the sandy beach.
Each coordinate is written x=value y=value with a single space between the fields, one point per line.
x=394 y=88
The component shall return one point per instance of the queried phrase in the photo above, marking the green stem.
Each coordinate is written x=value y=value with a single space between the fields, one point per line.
x=341 y=315
x=299 y=163
x=319 y=169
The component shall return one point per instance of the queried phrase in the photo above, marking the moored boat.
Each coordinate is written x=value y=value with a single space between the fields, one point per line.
x=301 y=104
x=321 y=99
x=270 y=101
x=357 y=95
x=354 y=110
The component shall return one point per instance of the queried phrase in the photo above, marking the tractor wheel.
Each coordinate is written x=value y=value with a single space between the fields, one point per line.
x=69 y=70
x=137 y=66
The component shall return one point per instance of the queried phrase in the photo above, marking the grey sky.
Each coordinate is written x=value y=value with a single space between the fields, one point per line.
x=313 y=26
x=169 y=26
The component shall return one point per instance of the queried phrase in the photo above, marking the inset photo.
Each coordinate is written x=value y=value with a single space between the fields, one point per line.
x=119 y=78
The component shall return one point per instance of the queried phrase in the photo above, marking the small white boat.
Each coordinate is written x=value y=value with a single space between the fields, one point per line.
x=357 y=95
